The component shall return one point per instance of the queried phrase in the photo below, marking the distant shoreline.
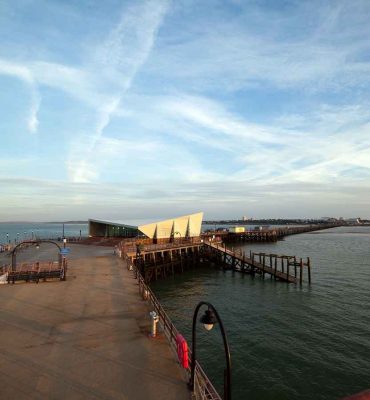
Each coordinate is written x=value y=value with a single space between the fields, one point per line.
x=43 y=222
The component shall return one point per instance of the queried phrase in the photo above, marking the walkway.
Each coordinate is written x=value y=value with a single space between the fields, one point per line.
x=85 y=338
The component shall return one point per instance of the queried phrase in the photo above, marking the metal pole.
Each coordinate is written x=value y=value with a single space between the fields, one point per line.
x=227 y=372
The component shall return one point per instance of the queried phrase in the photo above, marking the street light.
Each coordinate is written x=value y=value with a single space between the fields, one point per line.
x=138 y=268
x=7 y=238
x=178 y=233
x=210 y=318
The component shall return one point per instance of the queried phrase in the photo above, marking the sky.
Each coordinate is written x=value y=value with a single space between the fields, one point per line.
x=150 y=109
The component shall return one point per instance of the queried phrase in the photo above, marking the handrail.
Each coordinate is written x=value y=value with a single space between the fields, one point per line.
x=130 y=248
x=203 y=385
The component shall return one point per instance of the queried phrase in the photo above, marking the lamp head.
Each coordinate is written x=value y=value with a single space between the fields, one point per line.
x=208 y=319
x=37 y=246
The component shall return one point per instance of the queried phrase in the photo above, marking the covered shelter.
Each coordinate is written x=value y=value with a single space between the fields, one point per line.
x=98 y=228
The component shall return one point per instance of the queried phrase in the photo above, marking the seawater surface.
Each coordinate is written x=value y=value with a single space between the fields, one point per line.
x=17 y=231
x=287 y=342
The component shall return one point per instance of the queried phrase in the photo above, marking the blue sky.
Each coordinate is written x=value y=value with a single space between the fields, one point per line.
x=147 y=109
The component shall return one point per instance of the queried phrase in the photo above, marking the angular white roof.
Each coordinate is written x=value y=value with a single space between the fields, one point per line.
x=185 y=226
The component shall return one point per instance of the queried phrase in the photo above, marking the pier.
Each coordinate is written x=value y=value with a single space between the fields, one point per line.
x=263 y=235
x=279 y=267
x=159 y=261
x=86 y=338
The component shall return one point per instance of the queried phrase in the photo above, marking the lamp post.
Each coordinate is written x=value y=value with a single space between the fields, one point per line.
x=178 y=233
x=210 y=318
x=17 y=237
x=138 y=260
x=7 y=238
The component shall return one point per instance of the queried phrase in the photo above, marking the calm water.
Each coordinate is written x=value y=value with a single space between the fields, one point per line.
x=286 y=342
x=29 y=230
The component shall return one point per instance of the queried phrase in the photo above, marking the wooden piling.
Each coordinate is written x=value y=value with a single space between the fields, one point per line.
x=282 y=265
x=295 y=267
x=287 y=268
x=271 y=264
x=309 y=269
x=301 y=272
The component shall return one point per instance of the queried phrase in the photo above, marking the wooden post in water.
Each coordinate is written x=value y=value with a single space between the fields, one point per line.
x=301 y=272
x=295 y=267
x=276 y=266
x=287 y=269
x=263 y=267
x=282 y=264
x=309 y=269
x=181 y=263
x=173 y=272
x=271 y=264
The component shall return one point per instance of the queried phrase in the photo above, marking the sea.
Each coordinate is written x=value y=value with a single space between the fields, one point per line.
x=287 y=342
x=12 y=232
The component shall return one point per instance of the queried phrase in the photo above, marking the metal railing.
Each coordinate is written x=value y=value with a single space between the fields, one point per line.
x=203 y=388
x=131 y=248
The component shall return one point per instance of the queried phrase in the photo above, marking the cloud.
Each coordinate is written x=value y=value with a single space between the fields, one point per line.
x=121 y=55
x=33 y=121
x=24 y=74
x=164 y=106
x=312 y=46
x=316 y=146
x=43 y=199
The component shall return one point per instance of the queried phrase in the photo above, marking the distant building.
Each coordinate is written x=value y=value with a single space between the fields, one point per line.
x=356 y=221
x=245 y=218
x=237 y=229
x=180 y=227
